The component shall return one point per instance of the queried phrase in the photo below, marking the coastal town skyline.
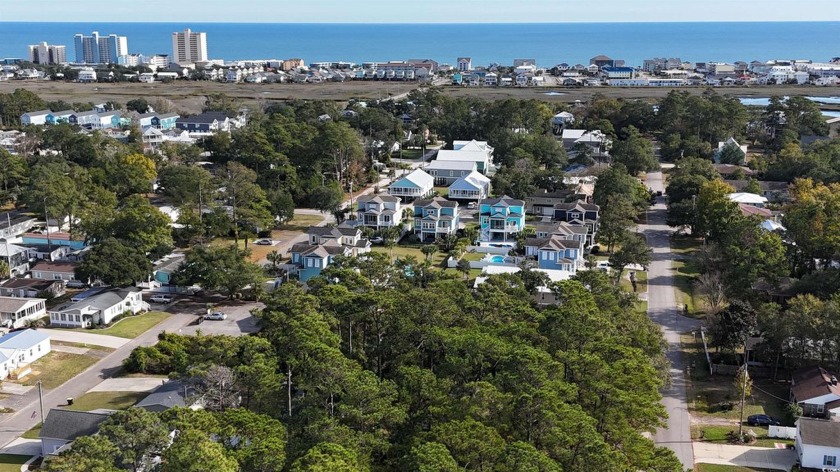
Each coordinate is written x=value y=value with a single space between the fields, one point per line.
x=433 y=11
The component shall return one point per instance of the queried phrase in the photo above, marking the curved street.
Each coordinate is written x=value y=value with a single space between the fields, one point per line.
x=662 y=308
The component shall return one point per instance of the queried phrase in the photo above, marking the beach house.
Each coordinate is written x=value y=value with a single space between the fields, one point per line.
x=447 y=172
x=323 y=245
x=98 y=309
x=500 y=219
x=417 y=184
x=435 y=218
x=20 y=349
x=474 y=186
x=379 y=212
x=580 y=213
x=555 y=252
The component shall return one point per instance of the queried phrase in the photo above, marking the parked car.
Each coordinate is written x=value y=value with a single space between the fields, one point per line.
x=377 y=240
x=216 y=316
x=264 y=242
x=471 y=205
x=161 y=299
x=762 y=420
x=75 y=284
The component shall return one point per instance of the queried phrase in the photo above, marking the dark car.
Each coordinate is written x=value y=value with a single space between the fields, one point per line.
x=762 y=420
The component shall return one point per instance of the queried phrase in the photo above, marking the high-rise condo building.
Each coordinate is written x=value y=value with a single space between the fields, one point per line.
x=189 y=47
x=44 y=53
x=94 y=49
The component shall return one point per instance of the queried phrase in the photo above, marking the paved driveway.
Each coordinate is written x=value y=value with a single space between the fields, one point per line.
x=85 y=337
x=744 y=456
x=129 y=384
x=239 y=320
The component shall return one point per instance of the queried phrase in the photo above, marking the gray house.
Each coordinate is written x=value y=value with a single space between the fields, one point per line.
x=169 y=395
x=62 y=427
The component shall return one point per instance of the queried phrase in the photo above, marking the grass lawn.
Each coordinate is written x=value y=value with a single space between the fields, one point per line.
x=641 y=281
x=400 y=251
x=442 y=191
x=718 y=434
x=133 y=326
x=12 y=462
x=32 y=433
x=706 y=393
x=108 y=400
x=408 y=154
x=474 y=256
x=685 y=271
x=58 y=367
x=301 y=222
x=729 y=468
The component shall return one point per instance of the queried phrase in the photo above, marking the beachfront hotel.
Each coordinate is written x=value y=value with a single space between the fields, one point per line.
x=189 y=47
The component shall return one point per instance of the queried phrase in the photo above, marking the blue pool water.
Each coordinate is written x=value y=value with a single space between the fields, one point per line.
x=498 y=259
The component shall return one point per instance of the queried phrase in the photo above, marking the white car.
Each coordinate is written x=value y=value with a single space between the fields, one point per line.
x=603 y=265
x=264 y=242
x=216 y=316
x=166 y=299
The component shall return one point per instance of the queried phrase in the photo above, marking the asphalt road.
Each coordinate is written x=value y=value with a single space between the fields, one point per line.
x=28 y=416
x=662 y=308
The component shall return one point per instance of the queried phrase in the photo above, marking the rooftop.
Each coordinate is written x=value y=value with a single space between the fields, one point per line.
x=813 y=382
x=819 y=432
x=69 y=424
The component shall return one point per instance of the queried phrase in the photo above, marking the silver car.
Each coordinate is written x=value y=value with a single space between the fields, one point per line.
x=216 y=316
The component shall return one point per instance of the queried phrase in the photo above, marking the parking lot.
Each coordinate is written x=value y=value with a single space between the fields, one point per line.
x=238 y=322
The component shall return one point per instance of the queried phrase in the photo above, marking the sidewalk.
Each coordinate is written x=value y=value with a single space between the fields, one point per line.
x=744 y=456
x=83 y=337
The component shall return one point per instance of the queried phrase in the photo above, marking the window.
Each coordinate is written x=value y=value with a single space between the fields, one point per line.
x=830 y=461
x=63 y=317
x=820 y=409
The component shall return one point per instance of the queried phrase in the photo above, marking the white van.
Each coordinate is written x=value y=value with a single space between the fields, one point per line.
x=165 y=299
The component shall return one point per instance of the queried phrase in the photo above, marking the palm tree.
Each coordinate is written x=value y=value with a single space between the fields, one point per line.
x=428 y=250
x=275 y=258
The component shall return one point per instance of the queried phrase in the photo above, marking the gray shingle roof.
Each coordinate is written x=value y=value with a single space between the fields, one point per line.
x=819 y=432
x=168 y=395
x=69 y=425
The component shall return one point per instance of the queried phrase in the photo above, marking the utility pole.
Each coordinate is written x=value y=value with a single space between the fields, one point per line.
x=743 y=393
x=41 y=402
x=47 y=218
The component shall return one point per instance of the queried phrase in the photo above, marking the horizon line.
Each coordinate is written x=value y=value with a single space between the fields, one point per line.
x=418 y=23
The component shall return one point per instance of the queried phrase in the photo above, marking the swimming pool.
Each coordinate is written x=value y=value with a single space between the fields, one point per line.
x=497 y=259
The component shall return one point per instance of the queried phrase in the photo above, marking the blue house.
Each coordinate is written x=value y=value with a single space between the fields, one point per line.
x=555 y=253
x=435 y=218
x=580 y=213
x=60 y=117
x=165 y=121
x=324 y=244
x=457 y=78
x=207 y=122
x=501 y=219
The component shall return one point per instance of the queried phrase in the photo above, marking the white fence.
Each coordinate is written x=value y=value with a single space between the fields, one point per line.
x=781 y=432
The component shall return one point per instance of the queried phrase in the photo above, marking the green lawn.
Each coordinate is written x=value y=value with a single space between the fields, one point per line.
x=32 y=433
x=408 y=154
x=474 y=256
x=718 y=434
x=108 y=400
x=12 y=462
x=405 y=250
x=442 y=191
x=58 y=367
x=641 y=281
x=729 y=468
x=133 y=326
x=302 y=222
x=706 y=394
x=685 y=271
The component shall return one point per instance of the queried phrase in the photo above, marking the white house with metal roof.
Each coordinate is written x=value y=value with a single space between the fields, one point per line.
x=474 y=186
x=39 y=117
x=745 y=198
x=21 y=348
x=417 y=184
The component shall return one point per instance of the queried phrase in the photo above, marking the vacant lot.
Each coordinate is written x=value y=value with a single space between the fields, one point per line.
x=107 y=400
x=58 y=367
x=190 y=96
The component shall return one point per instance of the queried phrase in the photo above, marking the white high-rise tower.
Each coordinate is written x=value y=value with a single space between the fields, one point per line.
x=189 y=47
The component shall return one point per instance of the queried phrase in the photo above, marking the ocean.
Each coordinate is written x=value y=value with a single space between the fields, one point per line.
x=548 y=43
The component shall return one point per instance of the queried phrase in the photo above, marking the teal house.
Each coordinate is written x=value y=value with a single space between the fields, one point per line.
x=324 y=244
x=501 y=219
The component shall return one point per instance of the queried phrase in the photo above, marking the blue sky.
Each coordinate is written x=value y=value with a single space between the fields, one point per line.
x=420 y=11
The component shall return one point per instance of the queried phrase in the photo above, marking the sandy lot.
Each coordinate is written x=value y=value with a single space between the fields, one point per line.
x=189 y=96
